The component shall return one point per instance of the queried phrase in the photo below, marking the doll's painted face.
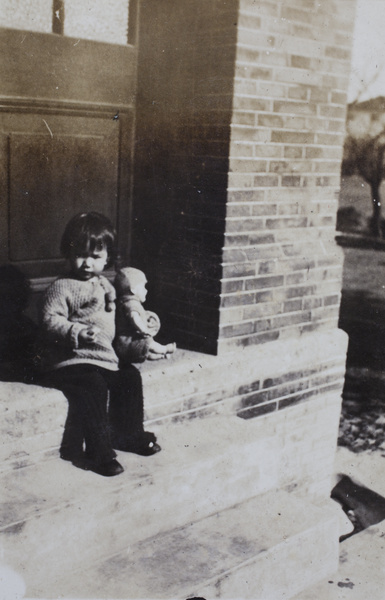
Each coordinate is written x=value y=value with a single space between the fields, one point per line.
x=140 y=290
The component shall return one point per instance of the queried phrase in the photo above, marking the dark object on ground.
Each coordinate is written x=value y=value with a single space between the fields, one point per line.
x=363 y=506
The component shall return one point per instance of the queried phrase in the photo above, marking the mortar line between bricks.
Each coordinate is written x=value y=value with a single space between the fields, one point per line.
x=329 y=365
x=322 y=372
x=272 y=316
x=278 y=69
x=185 y=397
x=283 y=328
x=317 y=374
x=205 y=391
x=184 y=414
x=262 y=46
x=318 y=391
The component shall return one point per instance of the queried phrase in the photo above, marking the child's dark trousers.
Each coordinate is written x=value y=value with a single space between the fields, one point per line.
x=105 y=409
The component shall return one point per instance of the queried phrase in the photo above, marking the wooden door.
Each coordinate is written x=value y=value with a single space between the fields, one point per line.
x=66 y=141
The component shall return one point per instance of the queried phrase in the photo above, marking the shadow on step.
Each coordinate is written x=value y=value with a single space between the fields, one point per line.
x=17 y=331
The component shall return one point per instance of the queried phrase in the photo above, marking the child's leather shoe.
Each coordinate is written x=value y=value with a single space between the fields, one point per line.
x=108 y=469
x=145 y=444
x=149 y=450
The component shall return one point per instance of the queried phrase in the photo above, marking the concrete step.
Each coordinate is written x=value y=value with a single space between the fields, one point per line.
x=55 y=518
x=267 y=548
x=361 y=573
x=31 y=424
x=53 y=515
x=33 y=417
x=188 y=386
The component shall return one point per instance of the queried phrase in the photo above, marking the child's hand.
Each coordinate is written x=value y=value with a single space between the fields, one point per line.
x=110 y=306
x=140 y=325
x=89 y=335
x=110 y=302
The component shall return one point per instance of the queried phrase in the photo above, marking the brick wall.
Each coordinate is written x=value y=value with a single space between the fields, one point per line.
x=240 y=126
x=185 y=86
x=281 y=268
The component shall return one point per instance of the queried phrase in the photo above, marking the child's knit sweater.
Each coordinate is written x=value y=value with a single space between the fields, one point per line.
x=72 y=305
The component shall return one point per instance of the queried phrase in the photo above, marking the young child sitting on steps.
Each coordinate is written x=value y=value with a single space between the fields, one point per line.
x=105 y=403
x=135 y=326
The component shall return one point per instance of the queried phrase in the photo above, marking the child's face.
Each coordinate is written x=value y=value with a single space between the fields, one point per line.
x=140 y=291
x=87 y=264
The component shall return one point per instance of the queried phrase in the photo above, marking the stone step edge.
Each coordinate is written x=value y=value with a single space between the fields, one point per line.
x=280 y=520
x=148 y=498
x=197 y=372
x=230 y=430
x=196 y=369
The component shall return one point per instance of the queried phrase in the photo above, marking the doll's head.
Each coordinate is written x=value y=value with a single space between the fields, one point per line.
x=130 y=281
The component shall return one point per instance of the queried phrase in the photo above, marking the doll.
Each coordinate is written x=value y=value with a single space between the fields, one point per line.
x=135 y=326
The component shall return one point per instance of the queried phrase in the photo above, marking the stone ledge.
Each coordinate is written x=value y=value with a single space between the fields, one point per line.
x=191 y=384
x=251 y=382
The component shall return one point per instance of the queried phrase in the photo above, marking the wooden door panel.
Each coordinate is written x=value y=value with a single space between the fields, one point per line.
x=54 y=174
x=66 y=142
x=53 y=178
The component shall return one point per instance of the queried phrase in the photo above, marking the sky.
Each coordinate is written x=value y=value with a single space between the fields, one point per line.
x=368 y=60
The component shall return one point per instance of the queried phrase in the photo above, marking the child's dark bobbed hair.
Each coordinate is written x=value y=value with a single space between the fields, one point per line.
x=87 y=233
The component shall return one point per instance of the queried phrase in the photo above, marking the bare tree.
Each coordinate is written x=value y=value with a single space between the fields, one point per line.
x=365 y=84
x=363 y=80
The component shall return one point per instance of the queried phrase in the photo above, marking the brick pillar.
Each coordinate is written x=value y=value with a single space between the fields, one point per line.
x=240 y=126
x=281 y=267
x=185 y=90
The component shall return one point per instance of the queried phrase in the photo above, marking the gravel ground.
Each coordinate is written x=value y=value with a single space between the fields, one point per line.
x=360 y=490
x=363 y=431
x=362 y=426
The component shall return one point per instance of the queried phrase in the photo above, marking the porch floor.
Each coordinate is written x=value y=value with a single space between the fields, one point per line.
x=216 y=497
